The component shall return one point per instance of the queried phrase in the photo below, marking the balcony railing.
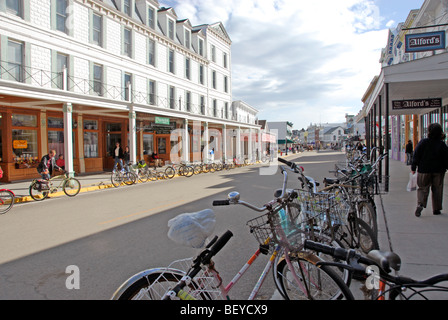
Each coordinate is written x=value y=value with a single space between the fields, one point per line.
x=64 y=82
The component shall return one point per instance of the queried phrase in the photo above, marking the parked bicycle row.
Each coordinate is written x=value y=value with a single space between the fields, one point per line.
x=142 y=172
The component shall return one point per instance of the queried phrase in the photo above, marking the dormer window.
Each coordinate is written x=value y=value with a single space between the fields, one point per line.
x=201 y=47
x=127 y=7
x=187 y=39
x=171 y=29
x=151 y=18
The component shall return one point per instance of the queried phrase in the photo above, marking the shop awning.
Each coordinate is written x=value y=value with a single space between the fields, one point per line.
x=283 y=141
x=425 y=78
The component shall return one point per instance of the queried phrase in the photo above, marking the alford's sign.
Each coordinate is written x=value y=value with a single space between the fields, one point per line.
x=425 y=41
x=417 y=104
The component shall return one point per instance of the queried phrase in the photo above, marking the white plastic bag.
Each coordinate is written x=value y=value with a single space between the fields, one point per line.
x=412 y=184
x=192 y=229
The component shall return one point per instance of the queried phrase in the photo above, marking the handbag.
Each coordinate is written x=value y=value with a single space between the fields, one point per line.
x=412 y=184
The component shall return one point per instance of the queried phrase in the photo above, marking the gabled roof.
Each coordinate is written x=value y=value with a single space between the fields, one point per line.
x=186 y=22
x=169 y=11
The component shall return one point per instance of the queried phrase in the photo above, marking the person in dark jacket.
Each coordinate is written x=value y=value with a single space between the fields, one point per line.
x=118 y=155
x=47 y=165
x=409 y=151
x=431 y=162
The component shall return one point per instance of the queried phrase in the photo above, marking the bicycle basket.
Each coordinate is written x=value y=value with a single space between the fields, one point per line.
x=326 y=209
x=141 y=164
x=282 y=226
x=204 y=286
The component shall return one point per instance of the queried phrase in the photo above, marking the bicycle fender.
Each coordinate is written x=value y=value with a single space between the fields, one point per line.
x=138 y=276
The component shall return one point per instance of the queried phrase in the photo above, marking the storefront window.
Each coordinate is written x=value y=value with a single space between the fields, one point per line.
x=90 y=144
x=148 y=144
x=55 y=123
x=56 y=142
x=90 y=139
x=24 y=138
x=24 y=144
x=24 y=120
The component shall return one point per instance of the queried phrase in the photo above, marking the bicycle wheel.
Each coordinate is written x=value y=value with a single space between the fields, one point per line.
x=188 y=171
x=154 y=287
x=367 y=213
x=6 y=201
x=316 y=282
x=205 y=168
x=197 y=169
x=129 y=178
x=170 y=172
x=117 y=179
x=36 y=193
x=357 y=234
x=144 y=175
x=71 y=187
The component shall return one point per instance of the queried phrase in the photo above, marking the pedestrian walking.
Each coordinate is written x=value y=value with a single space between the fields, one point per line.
x=409 y=151
x=431 y=162
x=118 y=155
x=127 y=157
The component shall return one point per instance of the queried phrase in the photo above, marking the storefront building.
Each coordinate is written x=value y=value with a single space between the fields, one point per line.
x=79 y=76
x=411 y=91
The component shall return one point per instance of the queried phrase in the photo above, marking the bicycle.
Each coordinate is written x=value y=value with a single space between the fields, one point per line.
x=182 y=169
x=40 y=189
x=348 y=229
x=141 y=170
x=377 y=267
x=123 y=176
x=197 y=278
x=6 y=198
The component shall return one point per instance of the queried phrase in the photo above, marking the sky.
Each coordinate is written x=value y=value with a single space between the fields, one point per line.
x=303 y=61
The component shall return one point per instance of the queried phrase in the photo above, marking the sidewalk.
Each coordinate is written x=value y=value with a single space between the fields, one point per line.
x=420 y=242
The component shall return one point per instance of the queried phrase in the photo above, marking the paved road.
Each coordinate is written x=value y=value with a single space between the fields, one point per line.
x=112 y=234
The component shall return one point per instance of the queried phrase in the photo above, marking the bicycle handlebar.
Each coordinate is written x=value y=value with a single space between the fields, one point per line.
x=219 y=244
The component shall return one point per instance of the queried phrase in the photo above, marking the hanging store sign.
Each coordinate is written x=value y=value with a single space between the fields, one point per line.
x=425 y=41
x=164 y=121
x=417 y=104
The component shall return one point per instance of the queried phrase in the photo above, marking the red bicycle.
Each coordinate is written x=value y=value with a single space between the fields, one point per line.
x=6 y=198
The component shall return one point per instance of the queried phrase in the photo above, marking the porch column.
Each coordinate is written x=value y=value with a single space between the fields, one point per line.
x=68 y=138
x=206 y=139
x=250 y=150
x=224 y=143
x=238 y=143
x=132 y=136
x=186 y=142
x=82 y=163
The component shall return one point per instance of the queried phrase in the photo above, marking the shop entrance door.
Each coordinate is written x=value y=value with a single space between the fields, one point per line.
x=163 y=147
x=112 y=136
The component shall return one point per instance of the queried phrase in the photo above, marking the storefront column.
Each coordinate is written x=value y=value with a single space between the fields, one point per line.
x=250 y=150
x=185 y=143
x=132 y=136
x=224 y=143
x=82 y=164
x=238 y=143
x=206 y=139
x=259 y=146
x=68 y=138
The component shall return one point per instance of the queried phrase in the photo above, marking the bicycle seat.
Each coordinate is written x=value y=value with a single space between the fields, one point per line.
x=328 y=181
x=386 y=260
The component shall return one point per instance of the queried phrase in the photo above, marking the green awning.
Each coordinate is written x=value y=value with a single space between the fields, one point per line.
x=283 y=141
